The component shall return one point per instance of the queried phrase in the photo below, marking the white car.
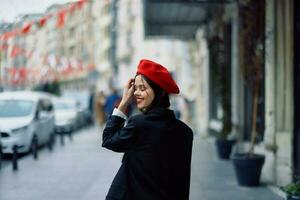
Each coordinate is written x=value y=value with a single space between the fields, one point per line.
x=66 y=115
x=82 y=98
x=26 y=120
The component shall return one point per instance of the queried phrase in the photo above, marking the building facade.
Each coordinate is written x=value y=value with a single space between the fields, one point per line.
x=277 y=130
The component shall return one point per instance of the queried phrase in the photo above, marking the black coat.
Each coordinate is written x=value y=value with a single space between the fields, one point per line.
x=157 y=160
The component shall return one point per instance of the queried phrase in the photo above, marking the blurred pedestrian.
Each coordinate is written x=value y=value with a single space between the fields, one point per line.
x=180 y=107
x=112 y=101
x=91 y=104
x=157 y=147
x=99 y=108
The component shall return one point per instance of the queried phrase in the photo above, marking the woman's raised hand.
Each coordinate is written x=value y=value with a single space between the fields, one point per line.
x=127 y=95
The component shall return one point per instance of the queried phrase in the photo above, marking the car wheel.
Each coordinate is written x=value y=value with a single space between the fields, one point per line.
x=34 y=147
x=1 y=155
x=51 y=141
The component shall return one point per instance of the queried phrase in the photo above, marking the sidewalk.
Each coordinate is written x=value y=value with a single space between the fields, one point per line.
x=82 y=170
x=214 y=179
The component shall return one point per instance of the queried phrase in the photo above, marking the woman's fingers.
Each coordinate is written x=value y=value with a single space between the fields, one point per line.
x=130 y=83
x=128 y=90
x=131 y=89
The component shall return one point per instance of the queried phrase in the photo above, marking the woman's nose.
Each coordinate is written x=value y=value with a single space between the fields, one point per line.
x=135 y=93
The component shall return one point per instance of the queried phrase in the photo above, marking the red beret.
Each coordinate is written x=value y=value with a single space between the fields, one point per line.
x=158 y=74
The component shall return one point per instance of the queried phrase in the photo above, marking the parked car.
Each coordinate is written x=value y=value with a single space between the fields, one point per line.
x=82 y=98
x=26 y=120
x=66 y=115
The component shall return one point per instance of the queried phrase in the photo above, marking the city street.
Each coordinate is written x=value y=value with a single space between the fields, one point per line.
x=82 y=170
x=228 y=69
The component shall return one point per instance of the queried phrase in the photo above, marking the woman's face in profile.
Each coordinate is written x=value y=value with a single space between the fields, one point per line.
x=143 y=93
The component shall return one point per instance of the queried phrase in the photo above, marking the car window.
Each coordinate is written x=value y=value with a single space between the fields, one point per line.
x=39 y=106
x=82 y=97
x=15 y=108
x=62 y=105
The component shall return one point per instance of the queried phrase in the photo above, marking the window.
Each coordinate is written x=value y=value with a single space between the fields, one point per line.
x=15 y=108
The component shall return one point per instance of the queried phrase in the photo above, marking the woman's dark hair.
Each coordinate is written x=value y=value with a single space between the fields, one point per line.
x=161 y=97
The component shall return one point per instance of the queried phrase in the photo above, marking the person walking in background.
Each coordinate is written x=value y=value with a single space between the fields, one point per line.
x=180 y=104
x=112 y=101
x=157 y=147
x=99 y=108
x=91 y=104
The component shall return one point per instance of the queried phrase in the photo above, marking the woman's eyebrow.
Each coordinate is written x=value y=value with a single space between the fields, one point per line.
x=139 y=85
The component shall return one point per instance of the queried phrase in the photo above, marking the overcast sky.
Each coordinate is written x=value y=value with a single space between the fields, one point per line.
x=9 y=9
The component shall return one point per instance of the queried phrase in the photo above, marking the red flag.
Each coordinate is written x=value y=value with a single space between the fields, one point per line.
x=61 y=18
x=26 y=28
x=72 y=8
x=22 y=74
x=7 y=35
x=43 y=20
x=16 y=51
x=3 y=47
x=80 y=3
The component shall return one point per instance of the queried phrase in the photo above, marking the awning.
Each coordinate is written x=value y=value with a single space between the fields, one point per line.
x=176 y=18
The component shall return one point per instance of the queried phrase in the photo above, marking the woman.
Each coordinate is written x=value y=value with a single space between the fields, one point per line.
x=157 y=147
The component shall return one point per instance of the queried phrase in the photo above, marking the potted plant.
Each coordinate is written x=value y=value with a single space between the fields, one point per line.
x=248 y=165
x=292 y=190
x=221 y=69
x=224 y=144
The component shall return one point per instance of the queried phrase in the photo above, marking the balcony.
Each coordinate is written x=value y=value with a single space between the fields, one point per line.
x=176 y=18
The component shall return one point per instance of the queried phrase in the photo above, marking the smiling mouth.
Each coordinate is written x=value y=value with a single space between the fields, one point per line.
x=139 y=101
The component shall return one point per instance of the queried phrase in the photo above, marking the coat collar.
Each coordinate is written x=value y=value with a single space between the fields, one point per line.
x=164 y=112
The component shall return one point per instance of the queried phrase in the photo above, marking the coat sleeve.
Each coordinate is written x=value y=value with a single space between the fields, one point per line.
x=116 y=136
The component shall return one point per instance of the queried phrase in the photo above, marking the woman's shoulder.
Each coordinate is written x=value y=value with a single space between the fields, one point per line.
x=184 y=126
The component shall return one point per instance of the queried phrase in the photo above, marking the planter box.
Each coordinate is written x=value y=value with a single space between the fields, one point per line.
x=224 y=148
x=248 y=169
